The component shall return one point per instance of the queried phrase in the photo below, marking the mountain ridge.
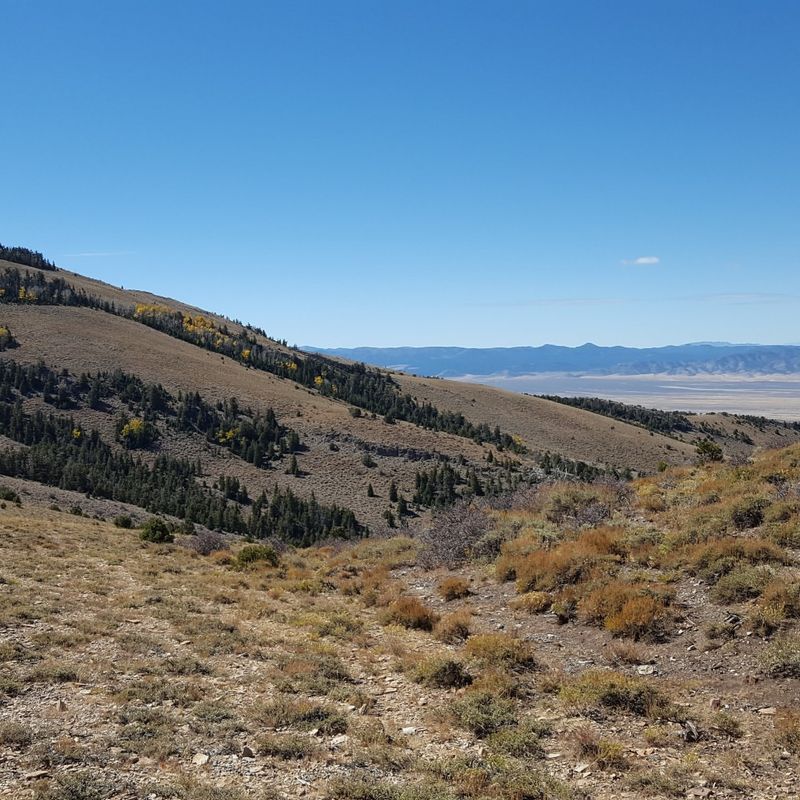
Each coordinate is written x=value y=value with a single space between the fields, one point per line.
x=589 y=359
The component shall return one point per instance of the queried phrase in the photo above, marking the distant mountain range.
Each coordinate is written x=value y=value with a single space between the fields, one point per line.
x=588 y=359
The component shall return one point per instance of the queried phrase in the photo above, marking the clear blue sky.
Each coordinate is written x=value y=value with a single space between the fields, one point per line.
x=418 y=173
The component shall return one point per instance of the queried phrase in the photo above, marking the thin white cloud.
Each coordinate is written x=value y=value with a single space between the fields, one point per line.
x=93 y=254
x=641 y=261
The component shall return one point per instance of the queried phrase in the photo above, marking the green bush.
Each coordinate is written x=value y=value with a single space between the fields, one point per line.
x=442 y=673
x=521 y=741
x=123 y=521
x=253 y=553
x=156 y=530
x=484 y=713
x=781 y=659
x=616 y=691
x=8 y=494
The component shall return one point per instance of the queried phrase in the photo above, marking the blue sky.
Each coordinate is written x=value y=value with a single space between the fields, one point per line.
x=370 y=172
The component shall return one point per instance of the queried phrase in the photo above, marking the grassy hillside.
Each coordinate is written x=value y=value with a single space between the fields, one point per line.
x=495 y=435
x=604 y=641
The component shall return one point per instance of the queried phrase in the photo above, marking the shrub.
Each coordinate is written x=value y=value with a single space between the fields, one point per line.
x=741 y=583
x=615 y=691
x=367 y=788
x=410 y=612
x=779 y=601
x=502 y=650
x=123 y=521
x=73 y=786
x=787 y=729
x=575 y=502
x=748 y=513
x=764 y=620
x=453 y=588
x=14 y=734
x=521 y=741
x=637 y=610
x=207 y=542
x=651 y=496
x=483 y=712
x=532 y=602
x=718 y=557
x=312 y=673
x=641 y=617
x=783 y=596
x=727 y=725
x=570 y=562
x=9 y=495
x=604 y=753
x=708 y=450
x=456 y=535
x=453 y=628
x=52 y=672
x=285 y=746
x=340 y=625
x=441 y=673
x=156 y=530
x=285 y=712
x=256 y=553
x=626 y=653
x=781 y=658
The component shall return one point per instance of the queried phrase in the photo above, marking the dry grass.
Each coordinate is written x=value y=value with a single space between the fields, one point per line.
x=182 y=653
x=597 y=689
x=501 y=650
x=624 y=608
x=787 y=730
x=453 y=588
x=455 y=627
x=410 y=612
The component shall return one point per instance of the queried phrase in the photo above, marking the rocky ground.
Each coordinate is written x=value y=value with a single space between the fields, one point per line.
x=133 y=670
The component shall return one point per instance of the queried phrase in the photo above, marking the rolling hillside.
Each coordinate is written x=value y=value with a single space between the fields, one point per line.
x=346 y=455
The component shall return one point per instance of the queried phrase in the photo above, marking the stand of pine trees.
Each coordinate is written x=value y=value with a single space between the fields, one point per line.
x=253 y=436
x=651 y=418
x=22 y=255
x=357 y=384
x=60 y=453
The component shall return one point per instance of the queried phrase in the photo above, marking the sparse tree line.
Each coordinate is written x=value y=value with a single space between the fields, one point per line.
x=253 y=436
x=61 y=453
x=30 y=258
x=444 y=485
x=762 y=423
x=361 y=386
x=650 y=418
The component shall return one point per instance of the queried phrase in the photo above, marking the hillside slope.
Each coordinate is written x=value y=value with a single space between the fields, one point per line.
x=613 y=643
x=342 y=452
